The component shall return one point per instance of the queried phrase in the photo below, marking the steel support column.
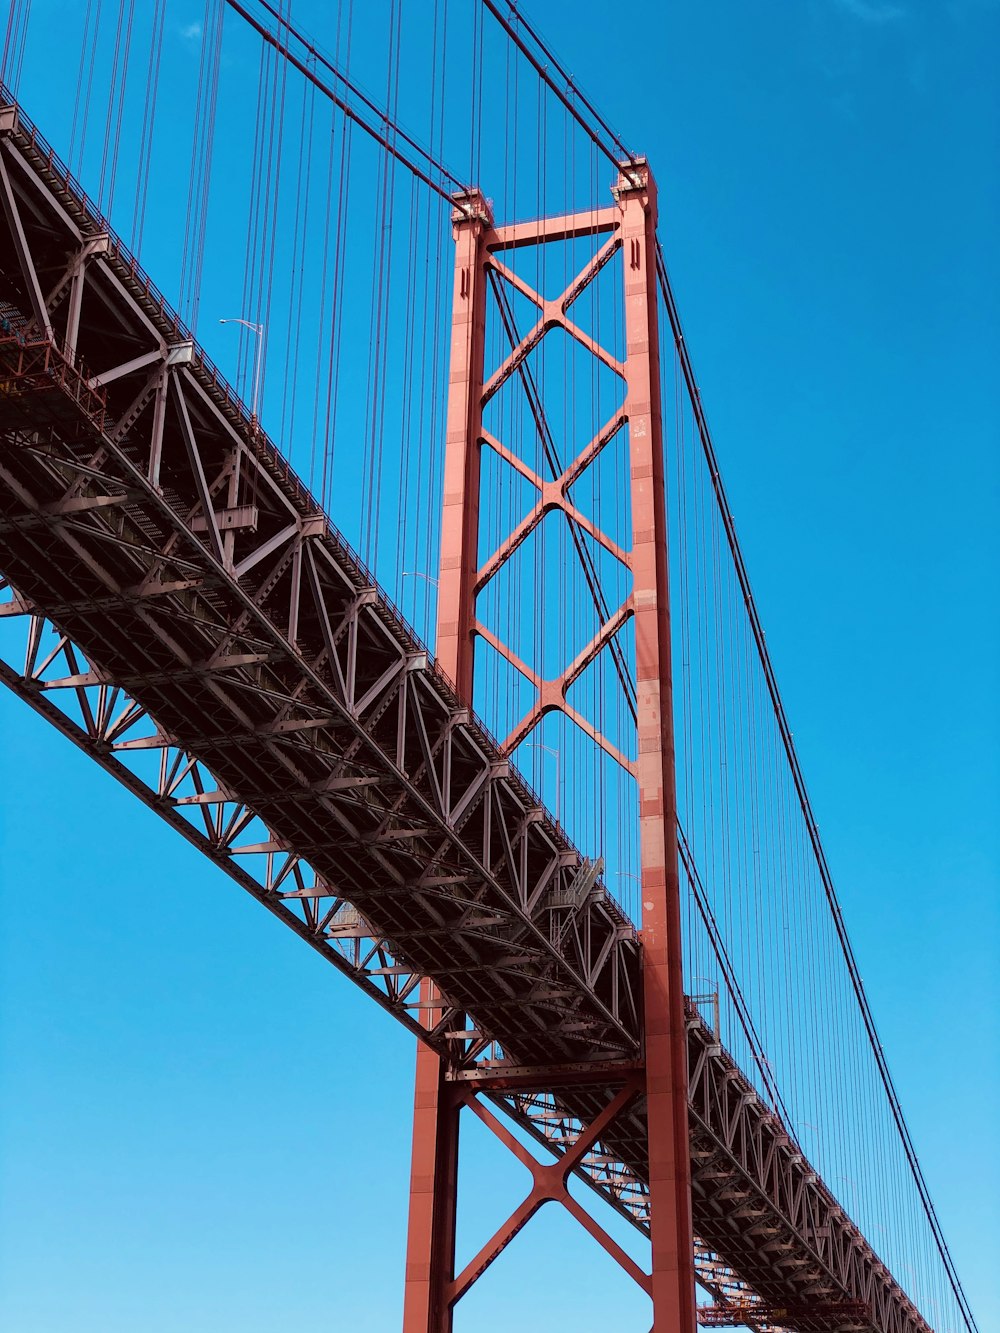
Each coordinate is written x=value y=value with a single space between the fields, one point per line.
x=430 y=1257
x=431 y=1287
x=663 y=991
x=430 y=1252
x=472 y=221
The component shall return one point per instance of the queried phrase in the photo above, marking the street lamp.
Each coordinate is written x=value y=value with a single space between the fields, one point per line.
x=805 y=1124
x=428 y=579
x=628 y=874
x=537 y=745
x=259 y=330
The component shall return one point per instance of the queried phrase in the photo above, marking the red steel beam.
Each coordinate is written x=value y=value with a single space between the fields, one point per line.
x=663 y=989
x=430 y=1257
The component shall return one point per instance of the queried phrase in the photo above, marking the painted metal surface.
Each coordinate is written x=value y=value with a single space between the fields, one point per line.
x=437 y=1102
x=191 y=621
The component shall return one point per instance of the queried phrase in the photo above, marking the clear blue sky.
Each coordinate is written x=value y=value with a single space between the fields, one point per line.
x=202 y=1128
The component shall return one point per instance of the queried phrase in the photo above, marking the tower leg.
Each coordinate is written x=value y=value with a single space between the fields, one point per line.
x=430 y=1256
x=663 y=979
x=430 y=1248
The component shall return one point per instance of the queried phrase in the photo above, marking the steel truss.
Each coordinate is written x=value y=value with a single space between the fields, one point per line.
x=192 y=622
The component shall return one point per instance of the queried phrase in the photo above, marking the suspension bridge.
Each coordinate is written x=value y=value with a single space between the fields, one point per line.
x=570 y=849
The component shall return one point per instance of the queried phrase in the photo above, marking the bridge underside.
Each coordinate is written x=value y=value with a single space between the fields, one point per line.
x=227 y=656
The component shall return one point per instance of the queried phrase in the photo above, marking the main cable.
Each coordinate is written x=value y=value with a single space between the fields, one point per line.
x=617 y=150
x=381 y=137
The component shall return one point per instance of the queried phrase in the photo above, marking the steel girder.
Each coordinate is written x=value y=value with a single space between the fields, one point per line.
x=760 y=1204
x=220 y=650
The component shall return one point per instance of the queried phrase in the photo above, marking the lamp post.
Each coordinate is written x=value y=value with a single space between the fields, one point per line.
x=259 y=330
x=805 y=1124
x=430 y=581
x=538 y=745
x=628 y=874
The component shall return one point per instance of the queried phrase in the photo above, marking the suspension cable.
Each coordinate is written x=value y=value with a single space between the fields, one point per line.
x=386 y=136
x=798 y=779
x=618 y=151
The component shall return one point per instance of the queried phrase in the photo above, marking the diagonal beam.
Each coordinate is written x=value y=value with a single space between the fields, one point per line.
x=519 y=354
x=125 y=368
x=554 y=495
x=511 y=459
x=201 y=482
x=591 y=269
x=548 y=1185
x=506 y=549
x=24 y=259
x=589 y=453
x=499 y=646
x=591 y=650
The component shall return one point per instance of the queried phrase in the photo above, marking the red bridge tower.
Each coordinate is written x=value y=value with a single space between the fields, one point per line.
x=432 y=1286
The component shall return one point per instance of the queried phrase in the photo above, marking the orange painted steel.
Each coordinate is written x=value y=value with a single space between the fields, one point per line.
x=432 y=1287
x=430 y=1252
x=665 y=1043
x=550 y=1183
x=430 y=1256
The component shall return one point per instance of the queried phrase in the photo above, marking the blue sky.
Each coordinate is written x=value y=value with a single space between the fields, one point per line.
x=202 y=1128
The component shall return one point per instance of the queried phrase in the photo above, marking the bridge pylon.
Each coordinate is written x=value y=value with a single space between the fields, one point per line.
x=626 y=228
